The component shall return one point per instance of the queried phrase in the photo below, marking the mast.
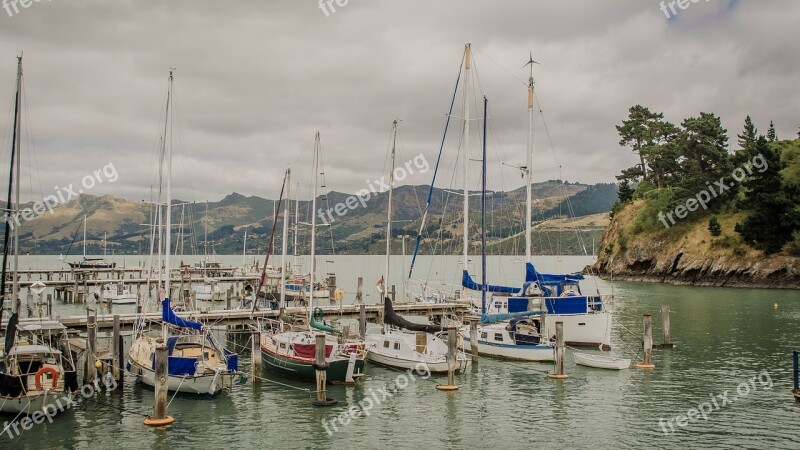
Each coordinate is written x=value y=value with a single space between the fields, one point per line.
x=296 y=219
x=244 y=249
x=285 y=237
x=84 y=236
x=205 y=238
x=467 y=64
x=169 y=204
x=313 y=228
x=13 y=184
x=528 y=166
x=483 y=212
x=105 y=235
x=389 y=212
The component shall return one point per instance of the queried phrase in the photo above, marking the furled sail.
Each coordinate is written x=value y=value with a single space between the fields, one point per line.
x=319 y=324
x=169 y=316
x=392 y=318
x=469 y=283
x=532 y=275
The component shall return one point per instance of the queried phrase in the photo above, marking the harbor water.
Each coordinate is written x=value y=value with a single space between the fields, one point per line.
x=726 y=385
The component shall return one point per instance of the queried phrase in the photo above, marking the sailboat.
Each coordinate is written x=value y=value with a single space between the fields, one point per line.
x=586 y=318
x=197 y=363
x=36 y=372
x=402 y=344
x=516 y=336
x=91 y=262
x=291 y=353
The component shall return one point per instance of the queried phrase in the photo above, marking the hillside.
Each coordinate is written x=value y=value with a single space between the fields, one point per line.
x=359 y=231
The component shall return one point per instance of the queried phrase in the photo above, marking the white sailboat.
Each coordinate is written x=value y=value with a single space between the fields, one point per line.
x=401 y=344
x=196 y=362
x=35 y=374
x=91 y=262
x=586 y=318
x=209 y=290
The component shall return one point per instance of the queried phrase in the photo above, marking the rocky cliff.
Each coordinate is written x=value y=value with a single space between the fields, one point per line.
x=687 y=254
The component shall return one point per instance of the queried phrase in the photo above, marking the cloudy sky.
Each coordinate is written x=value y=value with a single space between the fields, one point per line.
x=256 y=78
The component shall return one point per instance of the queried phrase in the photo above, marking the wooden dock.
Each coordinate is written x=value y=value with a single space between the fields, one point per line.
x=239 y=317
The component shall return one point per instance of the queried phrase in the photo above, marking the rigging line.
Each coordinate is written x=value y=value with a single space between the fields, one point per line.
x=513 y=76
x=177 y=390
x=436 y=167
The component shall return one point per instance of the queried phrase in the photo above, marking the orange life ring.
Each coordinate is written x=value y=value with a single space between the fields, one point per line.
x=40 y=372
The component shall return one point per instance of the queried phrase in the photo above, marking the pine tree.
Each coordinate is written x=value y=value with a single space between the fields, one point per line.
x=771 y=218
x=643 y=128
x=702 y=145
x=772 y=136
x=749 y=134
x=714 y=226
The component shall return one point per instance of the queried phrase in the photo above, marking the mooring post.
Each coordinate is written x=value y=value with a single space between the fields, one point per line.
x=321 y=366
x=559 y=354
x=90 y=372
x=50 y=305
x=115 y=352
x=796 y=362
x=121 y=359
x=360 y=291
x=647 y=362
x=473 y=340
x=393 y=294
x=160 y=417
x=362 y=321
x=665 y=327
x=255 y=356
x=452 y=351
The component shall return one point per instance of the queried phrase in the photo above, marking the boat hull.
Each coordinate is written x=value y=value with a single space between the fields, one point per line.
x=600 y=361
x=210 y=384
x=538 y=353
x=28 y=406
x=582 y=330
x=304 y=370
x=409 y=364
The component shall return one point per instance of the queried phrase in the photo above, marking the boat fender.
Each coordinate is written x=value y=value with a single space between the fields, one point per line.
x=324 y=366
x=42 y=371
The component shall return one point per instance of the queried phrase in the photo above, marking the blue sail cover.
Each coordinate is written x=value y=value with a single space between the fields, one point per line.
x=169 y=316
x=467 y=282
x=532 y=275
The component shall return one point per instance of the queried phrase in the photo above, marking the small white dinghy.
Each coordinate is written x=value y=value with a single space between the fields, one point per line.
x=600 y=361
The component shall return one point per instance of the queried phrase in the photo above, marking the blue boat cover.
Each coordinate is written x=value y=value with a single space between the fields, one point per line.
x=169 y=316
x=233 y=360
x=467 y=282
x=532 y=275
x=181 y=366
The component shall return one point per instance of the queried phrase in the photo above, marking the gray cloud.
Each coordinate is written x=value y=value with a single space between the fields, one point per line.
x=256 y=79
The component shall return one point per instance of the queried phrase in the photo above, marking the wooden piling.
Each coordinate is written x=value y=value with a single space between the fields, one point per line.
x=473 y=341
x=160 y=417
x=393 y=294
x=559 y=357
x=665 y=312
x=116 y=352
x=90 y=371
x=321 y=366
x=255 y=356
x=50 y=305
x=647 y=362
x=452 y=344
x=360 y=291
x=362 y=321
x=121 y=359
x=422 y=341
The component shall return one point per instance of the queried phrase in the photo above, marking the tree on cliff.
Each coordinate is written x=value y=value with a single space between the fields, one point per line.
x=772 y=214
x=704 y=157
x=642 y=129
